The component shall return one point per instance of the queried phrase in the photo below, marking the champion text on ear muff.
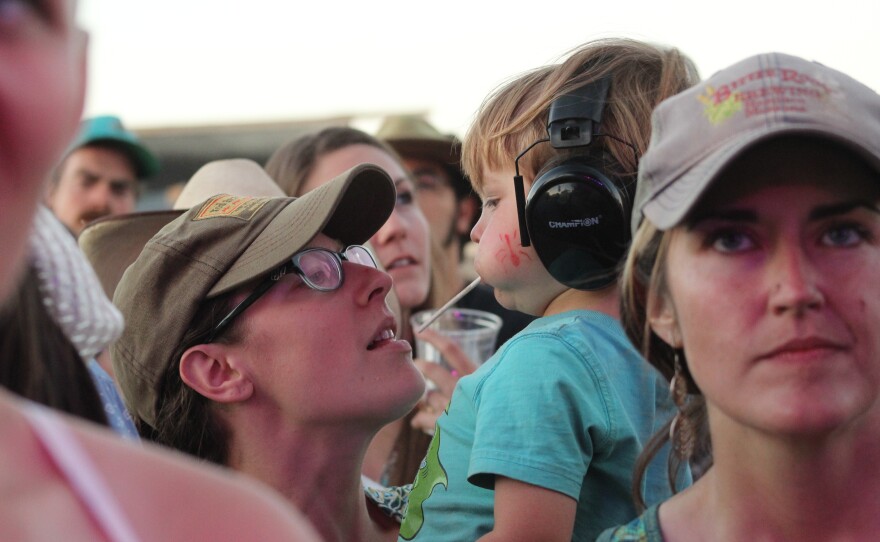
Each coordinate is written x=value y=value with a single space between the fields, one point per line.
x=578 y=223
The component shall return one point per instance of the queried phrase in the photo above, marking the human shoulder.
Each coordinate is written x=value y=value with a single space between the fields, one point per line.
x=199 y=500
x=548 y=355
x=581 y=332
x=158 y=493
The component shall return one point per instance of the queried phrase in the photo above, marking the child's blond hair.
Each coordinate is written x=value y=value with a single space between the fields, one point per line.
x=515 y=115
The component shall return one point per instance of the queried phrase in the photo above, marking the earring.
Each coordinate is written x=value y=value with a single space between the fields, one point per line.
x=681 y=433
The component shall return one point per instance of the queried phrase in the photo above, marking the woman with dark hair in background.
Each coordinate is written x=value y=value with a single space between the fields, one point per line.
x=403 y=248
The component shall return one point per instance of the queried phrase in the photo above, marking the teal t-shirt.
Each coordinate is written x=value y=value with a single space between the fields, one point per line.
x=567 y=404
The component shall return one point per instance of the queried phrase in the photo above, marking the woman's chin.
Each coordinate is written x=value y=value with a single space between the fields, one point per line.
x=410 y=295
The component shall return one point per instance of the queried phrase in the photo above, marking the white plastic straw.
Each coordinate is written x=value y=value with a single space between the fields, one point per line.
x=448 y=304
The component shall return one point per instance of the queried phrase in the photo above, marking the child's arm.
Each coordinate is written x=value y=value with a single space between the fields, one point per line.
x=527 y=512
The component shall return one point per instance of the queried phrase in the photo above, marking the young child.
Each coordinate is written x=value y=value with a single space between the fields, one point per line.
x=540 y=442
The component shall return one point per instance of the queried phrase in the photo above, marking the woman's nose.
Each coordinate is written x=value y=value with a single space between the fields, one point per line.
x=793 y=282
x=393 y=229
x=372 y=283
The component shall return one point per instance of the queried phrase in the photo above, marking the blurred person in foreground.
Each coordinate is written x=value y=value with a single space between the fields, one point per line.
x=92 y=485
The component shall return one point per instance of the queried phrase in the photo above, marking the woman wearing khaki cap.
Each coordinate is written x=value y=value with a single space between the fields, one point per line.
x=258 y=337
x=752 y=285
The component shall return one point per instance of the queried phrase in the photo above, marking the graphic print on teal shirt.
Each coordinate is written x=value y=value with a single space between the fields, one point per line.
x=431 y=474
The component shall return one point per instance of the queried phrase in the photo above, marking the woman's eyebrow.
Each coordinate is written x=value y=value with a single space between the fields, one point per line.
x=725 y=215
x=842 y=208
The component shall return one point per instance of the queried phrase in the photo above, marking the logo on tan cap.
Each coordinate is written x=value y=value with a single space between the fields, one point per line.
x=224 y=205
x=777 y=90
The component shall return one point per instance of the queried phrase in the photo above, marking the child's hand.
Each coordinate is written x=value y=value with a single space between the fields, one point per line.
x=436 y=400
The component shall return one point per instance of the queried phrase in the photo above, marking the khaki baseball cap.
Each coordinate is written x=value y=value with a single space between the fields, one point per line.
x=114 y=242
x=217 y=246
x=698 y=132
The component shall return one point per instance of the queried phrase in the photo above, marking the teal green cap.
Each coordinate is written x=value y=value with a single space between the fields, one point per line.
x=109 y=129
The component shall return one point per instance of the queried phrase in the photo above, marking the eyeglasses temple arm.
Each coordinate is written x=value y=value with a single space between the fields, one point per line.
x=247 y=302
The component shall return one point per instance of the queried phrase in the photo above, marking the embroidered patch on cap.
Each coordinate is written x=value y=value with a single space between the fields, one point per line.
x=224 y=205
x=765 y=92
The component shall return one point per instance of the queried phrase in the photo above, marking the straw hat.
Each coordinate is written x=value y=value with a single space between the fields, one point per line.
x=413 y=137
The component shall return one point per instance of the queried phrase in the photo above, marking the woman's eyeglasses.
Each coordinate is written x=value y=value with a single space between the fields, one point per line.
x=319 y=268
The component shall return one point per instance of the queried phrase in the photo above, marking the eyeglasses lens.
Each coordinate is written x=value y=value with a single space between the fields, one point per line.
x=360 y=255
x=320 y=269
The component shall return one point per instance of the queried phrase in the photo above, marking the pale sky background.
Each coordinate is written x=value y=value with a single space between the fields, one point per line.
x=194 y=62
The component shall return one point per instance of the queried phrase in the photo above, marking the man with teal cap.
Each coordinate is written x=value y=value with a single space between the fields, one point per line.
x=99 y=173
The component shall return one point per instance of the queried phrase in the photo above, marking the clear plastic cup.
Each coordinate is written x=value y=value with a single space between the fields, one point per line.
x=475 y=331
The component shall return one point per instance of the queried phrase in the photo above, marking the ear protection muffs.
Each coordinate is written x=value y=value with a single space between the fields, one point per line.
x=576 y=215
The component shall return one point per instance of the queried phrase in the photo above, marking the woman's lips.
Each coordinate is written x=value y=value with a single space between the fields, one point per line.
x=403 y=261
x=804 y=348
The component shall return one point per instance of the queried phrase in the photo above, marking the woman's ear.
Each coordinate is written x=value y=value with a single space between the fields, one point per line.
x=209 y=370
x=661 y=318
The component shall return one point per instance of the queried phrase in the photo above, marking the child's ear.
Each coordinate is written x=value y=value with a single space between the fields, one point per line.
x=213 y=373
x=661 y=318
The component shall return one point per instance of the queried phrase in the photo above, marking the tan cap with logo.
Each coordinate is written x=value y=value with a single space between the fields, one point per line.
x=698 y=132
x=112 y=243
x=217 y=246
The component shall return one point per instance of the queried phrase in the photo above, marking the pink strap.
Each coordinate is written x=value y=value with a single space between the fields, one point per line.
x=85 y=480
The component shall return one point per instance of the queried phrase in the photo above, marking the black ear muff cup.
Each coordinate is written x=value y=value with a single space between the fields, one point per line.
x=578 y=224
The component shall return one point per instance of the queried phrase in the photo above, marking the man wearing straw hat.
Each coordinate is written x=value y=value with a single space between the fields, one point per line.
x=451 y=207
x=444 y=194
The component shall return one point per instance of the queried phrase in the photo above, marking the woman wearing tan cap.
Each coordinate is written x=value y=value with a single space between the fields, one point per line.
x=752 y=285
x=258 y=337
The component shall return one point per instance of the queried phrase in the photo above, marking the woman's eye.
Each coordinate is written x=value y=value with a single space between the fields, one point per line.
x=843 y=235
x=320 y=277
x=730 y=241
x=428 y=182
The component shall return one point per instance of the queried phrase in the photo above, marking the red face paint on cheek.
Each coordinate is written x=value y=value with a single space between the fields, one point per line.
x=511 y=249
